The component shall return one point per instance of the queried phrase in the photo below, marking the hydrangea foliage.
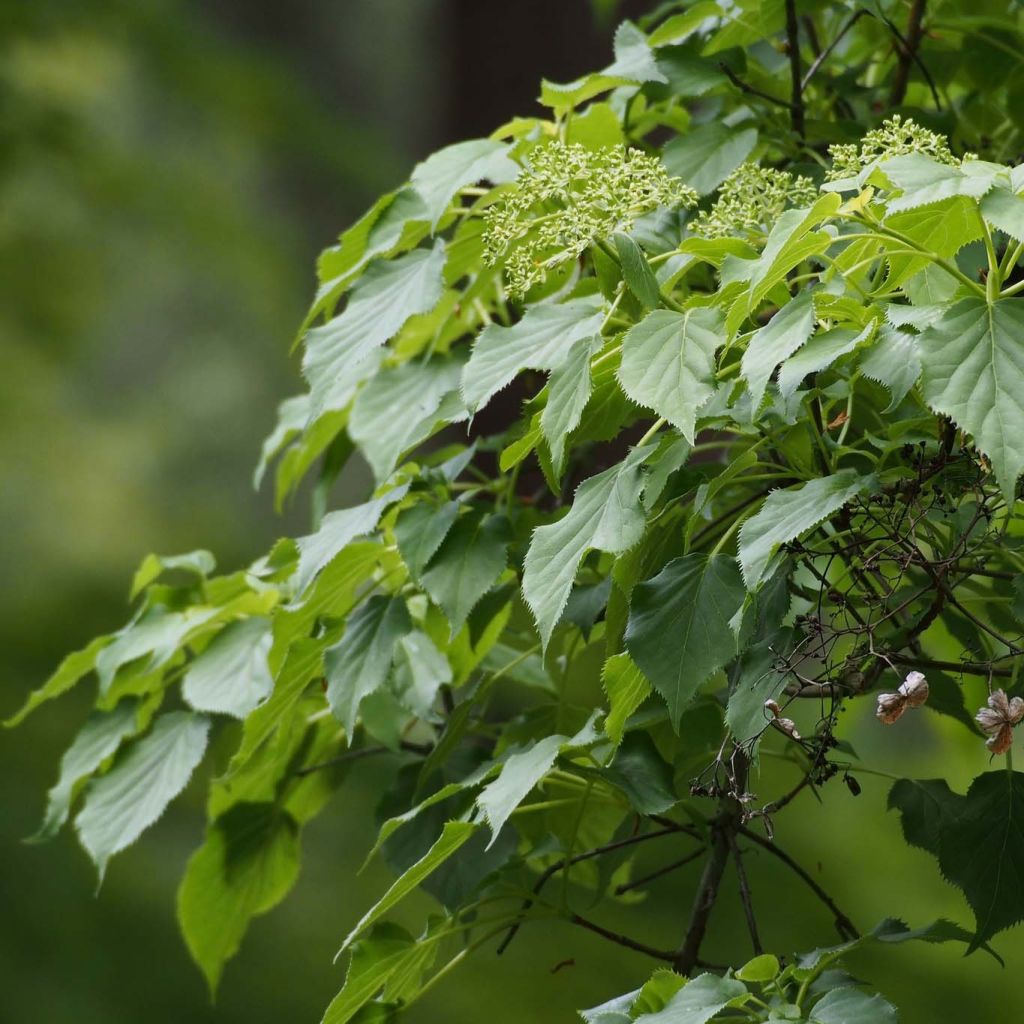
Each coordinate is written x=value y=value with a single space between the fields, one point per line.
x=695 y=418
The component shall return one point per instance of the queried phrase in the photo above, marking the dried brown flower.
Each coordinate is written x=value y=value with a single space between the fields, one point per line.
x=998 y=719
x=913 y=693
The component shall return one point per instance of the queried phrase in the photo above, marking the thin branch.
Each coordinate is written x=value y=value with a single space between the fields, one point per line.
x=845 y=927
x=827 y=52
x=704 y=900
x=598 y=851
x=796 y=99
x=618 y=938
x=971 y=668
x=745 y=896
x=909 y=46
x=639 y=883
x=357 y=755
x=749 y=89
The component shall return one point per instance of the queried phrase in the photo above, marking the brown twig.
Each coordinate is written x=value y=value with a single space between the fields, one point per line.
x=844 y=926
x=745 y=896
x=638 y=883
x=749 y=89
x=909 y=46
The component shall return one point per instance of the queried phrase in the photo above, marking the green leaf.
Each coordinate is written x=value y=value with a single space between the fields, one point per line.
x=977 y=838
x=708 y=154
x=636 y=271
x=359 y=663
x=122 y=804
x=232 y=676
x=443 y=173
x=606 y=514
x=453 y=835
x=420 y=671
x=198 y=563
x=639 y=770
x=668 y=363
x=679 y=629
x=698 y=1001
x=818 y=354
x=634 y=59
x=851 y=1006
x=569 y=389
x=387 y=957
x=418 y=389
x=292 y=417
x=73 y=668
x=981 y=850
x=755 y=679
x=420 y=530
x=466 y=565
x=99 y=739
x=248 y=862
x=788 y=514
x=519 y=774
x=1004 y=210
x=775 y=342
x=761 y=969
x=923 y=180
x=542 y=340
x=973 y=372
x=894 y=360
x=337 y=530
x=627 y=688
x=345 y=351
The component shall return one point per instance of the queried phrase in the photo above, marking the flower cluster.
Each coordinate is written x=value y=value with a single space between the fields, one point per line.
x=569 y=197
x=751 y=199
x=895 y=137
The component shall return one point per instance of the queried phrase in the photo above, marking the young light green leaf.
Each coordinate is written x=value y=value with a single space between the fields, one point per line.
x=443 y=173
x=519 y=774
x=100 y=738
x=787 y=514
x=453 y=835
x=627 y=688
x=698 y=1001
x=678 y=632
x=973 y=372
x=292 y=417
x=707 y=155
x=70 y=671
x=197 y=563
x=337 y=530
x=775 y=342
x=849 y=1005
x=923 y=180
x=668 y=363
x=122 y=804
x=569 y=389
x=340 y=355
x=634 y=59
x=359 y=663
x=606 y=514
x=248 y=862
x=232 y=676
x=466 y=565
x=542 y=340
x=1004 y=209
x=402 y=406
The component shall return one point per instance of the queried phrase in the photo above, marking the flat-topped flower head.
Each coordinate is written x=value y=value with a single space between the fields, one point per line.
x=895 y=137
x=567 y=198
x=751 y=199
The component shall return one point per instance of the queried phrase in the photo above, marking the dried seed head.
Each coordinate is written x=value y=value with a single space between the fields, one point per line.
x=915 y=689
x=890 y=707
x=772 y=706
x=998 y=720
x=788 y=726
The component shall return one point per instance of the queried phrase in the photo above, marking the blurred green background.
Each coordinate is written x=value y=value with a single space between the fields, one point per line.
x=168 y=171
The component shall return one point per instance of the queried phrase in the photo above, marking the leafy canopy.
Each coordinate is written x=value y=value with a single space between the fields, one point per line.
x=695 y=417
